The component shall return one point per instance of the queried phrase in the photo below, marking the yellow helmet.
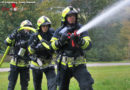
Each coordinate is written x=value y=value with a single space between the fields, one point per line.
x=26 y=23
x=67 y=11
x=43 y=20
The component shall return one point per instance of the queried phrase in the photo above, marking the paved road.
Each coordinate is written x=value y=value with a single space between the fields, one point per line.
x=89 y=65
x=107 y=64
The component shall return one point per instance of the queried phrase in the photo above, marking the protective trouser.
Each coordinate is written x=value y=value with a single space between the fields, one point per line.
x=50 y=75
x=24 y=77
x=79 y=72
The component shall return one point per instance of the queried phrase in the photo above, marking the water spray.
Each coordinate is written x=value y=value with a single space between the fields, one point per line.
x=108 y=13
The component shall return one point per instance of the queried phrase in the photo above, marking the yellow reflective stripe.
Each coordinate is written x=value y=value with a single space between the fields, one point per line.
x=85 y=45
x=19 y=64
x=53 y=62
x=53 y=39
x=34 y=63
x=31 y=51
x=8 y=40
x=40 y=21
x=54 y=46
x=71 y=64
x=28 y=28
x=64 y=13
x=43 y=43
x=40 y=37
x=87 y=38
x=63 y=63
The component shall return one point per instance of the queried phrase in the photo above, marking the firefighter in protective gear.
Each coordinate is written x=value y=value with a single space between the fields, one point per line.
x=71 y=51
x=41 y=54
x=20 y=60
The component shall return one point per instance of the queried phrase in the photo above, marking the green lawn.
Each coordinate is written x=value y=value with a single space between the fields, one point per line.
x=5 y=65
x=106 y=78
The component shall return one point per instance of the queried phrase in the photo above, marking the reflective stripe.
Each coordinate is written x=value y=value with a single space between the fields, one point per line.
x=40 y=37
x=40 y=21
x=8 y=40
x=54 y=46
x=64 y=13
x=36 y=66
x=85 y=45
x=31 y=51
x=53 y=39
x=43 y=43
x=27 y=28
x=18 y=64
x=34 y=63
x=87 y=39
x=71 y=62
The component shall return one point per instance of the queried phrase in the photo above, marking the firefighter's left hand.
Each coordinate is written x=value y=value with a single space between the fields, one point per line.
x=74 y=36
x=77 y=39
x=22 y=44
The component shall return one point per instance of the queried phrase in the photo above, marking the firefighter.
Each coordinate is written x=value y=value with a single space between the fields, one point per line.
x=41 y=54
x=20 y=60
x=71 y=51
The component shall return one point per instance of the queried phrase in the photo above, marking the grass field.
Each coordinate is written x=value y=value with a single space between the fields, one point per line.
x=7 y=64
x=106 y=78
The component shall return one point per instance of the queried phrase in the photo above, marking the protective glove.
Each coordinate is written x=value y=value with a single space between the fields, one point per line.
x=8 y=44
x=62 y=40
x=37 y=60
x=22 y=44
x=77 y=39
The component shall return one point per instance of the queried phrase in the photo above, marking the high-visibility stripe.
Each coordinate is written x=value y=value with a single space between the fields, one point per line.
x=19 y=64
x=28 y=28
x=43 y=43
x=64 y=13
x=40 y=37
x=34 y=63
x=31 y=51
x=70 y=64
x=85 y=45
x=54 y=46
x=87 y=39
x=8 y=40
x=53 y=39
